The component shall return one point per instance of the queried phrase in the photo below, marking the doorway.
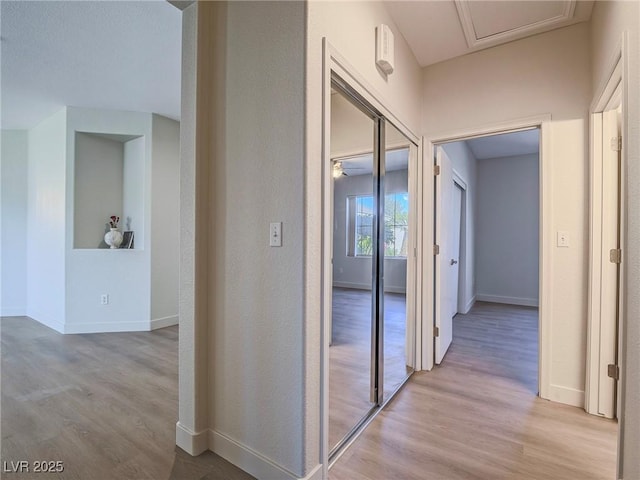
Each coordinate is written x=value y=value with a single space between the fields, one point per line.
x=487 y=211
x=371 y=272
x=602 y=386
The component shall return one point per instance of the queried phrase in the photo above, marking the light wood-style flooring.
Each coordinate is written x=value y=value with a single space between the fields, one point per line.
x=350 y=356
x=477 y=416
x=104 y=404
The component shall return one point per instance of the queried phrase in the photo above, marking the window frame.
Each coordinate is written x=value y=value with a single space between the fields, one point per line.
x=352 y=225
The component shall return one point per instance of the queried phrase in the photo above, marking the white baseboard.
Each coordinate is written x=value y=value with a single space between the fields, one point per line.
x=566 y=395
x=364 y=286
x=251 y=461
x=13 y=312
x=164 y=322
x=191 y=442
x=525 y=302
x=315 y=473
x=106 y=327
x=46 y=320
x=469 y=305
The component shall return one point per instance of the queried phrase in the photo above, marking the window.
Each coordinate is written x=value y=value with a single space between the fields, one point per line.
x=360 y=225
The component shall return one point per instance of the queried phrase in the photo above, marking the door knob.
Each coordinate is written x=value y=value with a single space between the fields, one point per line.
x=453 y=262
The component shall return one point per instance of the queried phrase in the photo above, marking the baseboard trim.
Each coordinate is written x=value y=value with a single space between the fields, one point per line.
x=364 y=286
x=13 y=312
x=315 y=473
x=469 y=305
x=164 y=322
x=566 y=395
x=46 y=321
x=191 y=442
x=106 y=327
x=525 y=302
x=247 y=459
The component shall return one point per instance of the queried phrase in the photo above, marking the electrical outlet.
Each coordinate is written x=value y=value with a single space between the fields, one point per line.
x=104 y=299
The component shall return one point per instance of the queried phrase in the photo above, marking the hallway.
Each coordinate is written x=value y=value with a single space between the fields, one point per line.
x=477 y=416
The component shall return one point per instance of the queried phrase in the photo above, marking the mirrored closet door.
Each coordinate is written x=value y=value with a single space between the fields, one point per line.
x=370 y=351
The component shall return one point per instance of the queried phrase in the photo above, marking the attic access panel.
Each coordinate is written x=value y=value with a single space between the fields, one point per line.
x=494 y=22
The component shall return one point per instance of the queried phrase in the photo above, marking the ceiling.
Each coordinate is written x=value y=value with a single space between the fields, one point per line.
x=106 y=54
x=397 y=159
x=440 y=30
x=126 y=55
x=506 y=144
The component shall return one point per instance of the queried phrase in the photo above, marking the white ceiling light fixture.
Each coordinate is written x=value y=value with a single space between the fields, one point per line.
x=384 y=48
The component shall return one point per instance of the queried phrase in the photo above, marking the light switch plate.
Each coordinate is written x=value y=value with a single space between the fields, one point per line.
x=563 y=238
x=275 y=234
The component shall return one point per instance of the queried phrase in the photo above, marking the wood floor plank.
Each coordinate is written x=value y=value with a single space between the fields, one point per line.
x=477 y=415
x=350 y=356
x=104 y=404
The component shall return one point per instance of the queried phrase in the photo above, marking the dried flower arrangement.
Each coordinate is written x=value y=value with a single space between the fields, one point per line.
x=114 y=221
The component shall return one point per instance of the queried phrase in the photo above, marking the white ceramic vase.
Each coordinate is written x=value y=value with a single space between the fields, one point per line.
x=113 y=238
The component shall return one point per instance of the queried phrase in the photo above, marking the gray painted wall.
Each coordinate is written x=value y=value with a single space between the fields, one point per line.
x=507 y=230
x=98 y=169
x=13 y=299
x=464 y=163
x=165 y=218
x=256 y=321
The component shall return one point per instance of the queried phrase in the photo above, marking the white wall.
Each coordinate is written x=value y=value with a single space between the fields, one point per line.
x=543 y=74
x=507 y=230
x=350 y=28
x=464 y=163
x=98 y=172
x=120 y=273
x=132 y=194
x=13 y=164
x=352 y=130
x=71 y=178
x=192 y=427
x=165 y=220
x=609 y=21
x=47 y=221
x=355 y=272
x=256 y=321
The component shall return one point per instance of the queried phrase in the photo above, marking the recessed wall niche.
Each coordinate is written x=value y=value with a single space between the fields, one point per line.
x=108 y=180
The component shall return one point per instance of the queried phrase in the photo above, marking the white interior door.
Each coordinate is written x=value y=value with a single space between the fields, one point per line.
x=610 y=270
x=446 y=279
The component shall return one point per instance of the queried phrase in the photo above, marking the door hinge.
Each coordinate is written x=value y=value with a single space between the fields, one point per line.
x=616 y=144
x=437 y=331
x=615 y=255
x=436 y=170
x=613 y=371
x=436 y=249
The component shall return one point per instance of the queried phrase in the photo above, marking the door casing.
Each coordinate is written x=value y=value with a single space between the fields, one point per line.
x=610 y=98
x=335 y=63
x=543 y=122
